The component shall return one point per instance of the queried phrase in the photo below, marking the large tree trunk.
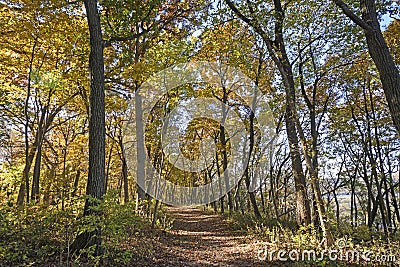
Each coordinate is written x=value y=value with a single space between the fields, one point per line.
x=302 y=204
x=380 y=54
x=96 y=177
x=383 y=60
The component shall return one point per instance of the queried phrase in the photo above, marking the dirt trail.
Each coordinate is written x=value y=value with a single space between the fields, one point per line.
x=201 y=239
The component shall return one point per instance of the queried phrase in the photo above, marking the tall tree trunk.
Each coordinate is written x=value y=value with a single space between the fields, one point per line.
x=223 y=140
x=141 y=159
x=96 y=177
x=38 y=159
x=247 y=173
x=302 y=206
x=24 y=187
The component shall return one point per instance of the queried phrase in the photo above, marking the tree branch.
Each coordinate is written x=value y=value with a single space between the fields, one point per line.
x=107 y=43
x=237 y=12
x=351 y=15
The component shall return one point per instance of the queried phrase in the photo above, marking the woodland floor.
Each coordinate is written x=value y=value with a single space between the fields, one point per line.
x=199 y=238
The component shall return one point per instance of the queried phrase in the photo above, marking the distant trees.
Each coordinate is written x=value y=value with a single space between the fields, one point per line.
x=362 y=132
x=39 y=82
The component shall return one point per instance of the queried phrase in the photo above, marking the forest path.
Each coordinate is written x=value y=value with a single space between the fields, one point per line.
x=199 y=238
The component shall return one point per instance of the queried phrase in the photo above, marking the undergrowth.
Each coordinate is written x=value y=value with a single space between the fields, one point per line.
x=275 y=236
x=38 y=235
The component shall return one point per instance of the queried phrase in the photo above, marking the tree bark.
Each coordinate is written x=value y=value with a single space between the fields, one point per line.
x=96 y=177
